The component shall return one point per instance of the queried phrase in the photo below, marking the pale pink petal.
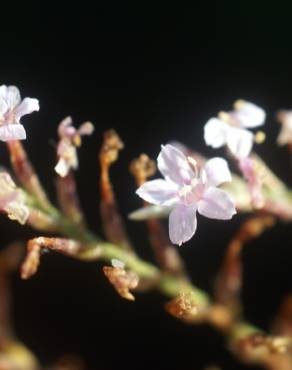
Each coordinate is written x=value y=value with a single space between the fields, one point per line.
x=215 y=132
x=3 y=107
x=174 y=166
x=86 y=128
x=158 y=191
x=27 y=106
x=248 y=114
x=239 y=141
x=12 y=96
x=182 y=223
x=12 y=132
x=65 y=128
x=216 y=203
x=217 y=171
x=12 y=200
x=3 y=102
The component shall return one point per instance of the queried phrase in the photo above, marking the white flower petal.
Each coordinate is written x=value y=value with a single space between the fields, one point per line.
x=12 y=132
x=174 y=166
x=62 y=167
x=216 y=203
x=217 y=171
x=239 y=141
x=12 y=96
x=27 y=106
x=248 y=114
x=159 y=191
x=182 y=223
x=215 y=132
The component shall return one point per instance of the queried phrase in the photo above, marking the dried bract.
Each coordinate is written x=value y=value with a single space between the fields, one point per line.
x=122 y=280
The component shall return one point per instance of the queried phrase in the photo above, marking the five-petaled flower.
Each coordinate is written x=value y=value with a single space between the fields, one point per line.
x=11 y=111
x=230 y=128
x=70 y=138
x=12 y=199
x=188 y=190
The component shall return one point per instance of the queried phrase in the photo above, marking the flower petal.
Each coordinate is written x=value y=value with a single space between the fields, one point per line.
x=12 y=132
x=86 y=128
x=174 y=166
x=239 y=141
x=248 y=114
x=27 y=106
x=216 y=203
x=12 y=96
x=217 y=171
x=182 y=223
x=62 y=167
x=159 y=191
x=215 y=132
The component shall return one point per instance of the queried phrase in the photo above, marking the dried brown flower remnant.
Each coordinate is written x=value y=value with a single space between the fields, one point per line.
x=122 y=280
x=270 y=351
x=113 y=225
x=142 y=168
x=32 y=260
x=183 y=307
x=109 y=153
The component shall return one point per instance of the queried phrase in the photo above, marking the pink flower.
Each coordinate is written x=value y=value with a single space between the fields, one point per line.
x=12 y=199
x=230 y=128
x=188 y=190
x=70 y=138
x=11 y=111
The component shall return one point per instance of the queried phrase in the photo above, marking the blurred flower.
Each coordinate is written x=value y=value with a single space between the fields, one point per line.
x=188 y=190
x=254 y=177
x=230 y=128
x=12 y=200
x=11 y=111
x=285 y=135
x=70 y=138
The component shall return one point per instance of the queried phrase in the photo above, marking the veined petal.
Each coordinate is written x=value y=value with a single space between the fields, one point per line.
x=12 y=96
x=174 y=166
x=216 y=203
x=182 y=223
x=215 y=132
x=217 y=171
x=248 y=114
x=12 y=132
x=27 y=106
x=239 y=141
x=159 y=191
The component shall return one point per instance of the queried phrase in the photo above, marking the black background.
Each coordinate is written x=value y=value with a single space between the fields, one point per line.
x=154 y=73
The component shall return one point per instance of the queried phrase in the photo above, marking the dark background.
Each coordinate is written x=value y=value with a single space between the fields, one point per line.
x=154 y=74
